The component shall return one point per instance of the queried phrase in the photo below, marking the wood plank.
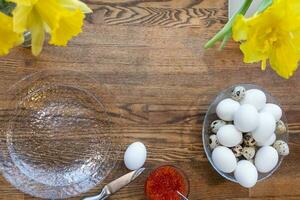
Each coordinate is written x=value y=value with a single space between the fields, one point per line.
x=149 y=54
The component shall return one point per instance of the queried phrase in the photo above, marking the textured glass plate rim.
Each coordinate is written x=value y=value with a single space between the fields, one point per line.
x=11 y=179
x=79 y=89
x=206 y=148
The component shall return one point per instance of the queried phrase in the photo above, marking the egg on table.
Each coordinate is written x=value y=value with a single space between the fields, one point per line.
x=246 y=118
x=255 y=97
x=246 y=174
x=224 y=159
x=274 y=110
x=226 y=109
x=266 y=127
x=135 y=156
x=266 y=159
x=229 y=136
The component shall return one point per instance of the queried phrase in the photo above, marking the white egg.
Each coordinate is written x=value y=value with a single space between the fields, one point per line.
x=266 y=127
x=273 y=109
x=255 y=97
x=246 y=174
x=266 y=159
x=229 y=136
x=224 y=159
x=226 y=109
x=135 y=156
x=268 y=142
x=246 y=118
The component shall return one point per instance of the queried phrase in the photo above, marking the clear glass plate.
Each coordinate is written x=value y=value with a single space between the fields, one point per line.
x=211 y=116
x=57 y=142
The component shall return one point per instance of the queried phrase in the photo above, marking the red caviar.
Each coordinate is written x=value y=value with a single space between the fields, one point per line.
x=164 y=182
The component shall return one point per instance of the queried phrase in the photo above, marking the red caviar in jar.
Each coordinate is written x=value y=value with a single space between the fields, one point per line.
x=164 y=182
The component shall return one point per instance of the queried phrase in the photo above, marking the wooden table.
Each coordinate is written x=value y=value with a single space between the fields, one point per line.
x=150 y=55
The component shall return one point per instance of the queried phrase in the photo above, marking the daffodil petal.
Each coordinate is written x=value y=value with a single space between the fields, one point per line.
x=75 y=4
x=62 y=19
x=263 y=64
x=51 y=15
x=294 y=6
x=37 y=33
x=20 y=17
x=69 y=26
x=273 y=34
x=251 y=53
x=284 y=60
x=24 y=2
x=240 y=29
x=8 y=38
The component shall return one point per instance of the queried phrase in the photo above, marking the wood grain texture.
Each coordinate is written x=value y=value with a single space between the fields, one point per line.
x=150 y=55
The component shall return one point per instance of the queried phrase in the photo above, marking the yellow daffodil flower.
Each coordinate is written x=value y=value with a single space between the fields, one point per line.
x=8 y=38
x=272 y=35
x=62 y=19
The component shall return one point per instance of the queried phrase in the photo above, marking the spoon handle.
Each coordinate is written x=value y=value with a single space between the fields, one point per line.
x=103 y=195
x=182 y=196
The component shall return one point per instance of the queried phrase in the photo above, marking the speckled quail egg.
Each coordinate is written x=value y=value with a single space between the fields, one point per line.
x=135 y=155
x=249 y=140
x=281 y=147
x=237 y=150
x=226 y=109
x=216 y=125
x=248 y=152
x=213 y=141
x=238 y=93
x=280 y=127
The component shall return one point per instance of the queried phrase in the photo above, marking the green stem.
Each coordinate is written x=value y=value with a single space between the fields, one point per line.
x=264 y=5
x=227 y=28
x=225 y=40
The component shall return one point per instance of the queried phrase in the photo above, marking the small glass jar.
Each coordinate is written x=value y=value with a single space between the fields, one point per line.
x=164 y=182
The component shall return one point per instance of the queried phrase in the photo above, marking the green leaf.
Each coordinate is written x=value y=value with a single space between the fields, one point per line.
x=7 y=7
x=264 y=5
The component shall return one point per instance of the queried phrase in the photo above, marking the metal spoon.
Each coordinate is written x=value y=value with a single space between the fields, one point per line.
x=182 y=196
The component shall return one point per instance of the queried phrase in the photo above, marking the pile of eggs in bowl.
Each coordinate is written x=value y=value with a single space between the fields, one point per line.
x=243 y=139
